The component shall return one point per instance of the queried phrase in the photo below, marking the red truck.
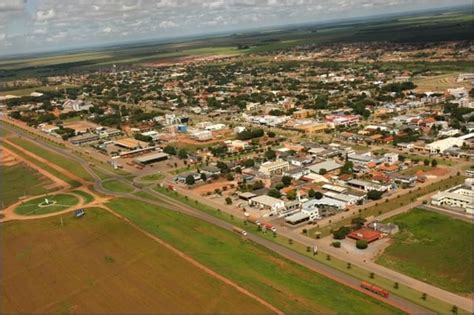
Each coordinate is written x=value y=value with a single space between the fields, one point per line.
x=269 y=227
x=374 y=289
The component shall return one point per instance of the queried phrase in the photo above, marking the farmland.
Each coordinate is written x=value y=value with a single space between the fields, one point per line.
x=268 y=275
x=39 y=206
x=455 y=25
x=22 y=181
x=433 y=248
x=64 y=271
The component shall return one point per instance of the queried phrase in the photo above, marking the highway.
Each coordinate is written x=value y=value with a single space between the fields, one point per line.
x=172 y=204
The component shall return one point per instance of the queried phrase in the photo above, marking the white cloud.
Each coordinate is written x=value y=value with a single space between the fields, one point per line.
x=167 y=24
x=45 y=15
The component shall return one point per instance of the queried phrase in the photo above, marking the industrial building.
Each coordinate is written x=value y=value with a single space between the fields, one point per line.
x=151 y=158
x=461 y=196
x=274 y=168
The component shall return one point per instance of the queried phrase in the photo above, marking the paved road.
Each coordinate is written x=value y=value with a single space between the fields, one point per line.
x=173 y=205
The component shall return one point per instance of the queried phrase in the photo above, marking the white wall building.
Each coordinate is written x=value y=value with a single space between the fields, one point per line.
x=277 y=167
x=461 y=196
x=267 y=203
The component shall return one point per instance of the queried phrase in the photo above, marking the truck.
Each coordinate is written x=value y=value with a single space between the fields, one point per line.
x=374 y=289
x=239 y=231
x=252 y=219
x=269 y=227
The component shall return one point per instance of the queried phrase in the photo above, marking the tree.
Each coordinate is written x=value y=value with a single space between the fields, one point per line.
x=228 y=200
x=362 y=244
x=271 y=134
x=347 y=168
x=323 y=171
x=318 y=195
x=357 y=223
x=190 y=180
x=396 y=285
x=341 y=233
x=336 y=244
x=248 y=163
x=203 y=177
x=374 y=195
x=434 y=163
x=286 y=180
x=230 y=177
x=291 y=195
x=170 y=150
x=274 y=193
x=270 y=154
x=222 y=166
x=311 y=193
x=182 y=154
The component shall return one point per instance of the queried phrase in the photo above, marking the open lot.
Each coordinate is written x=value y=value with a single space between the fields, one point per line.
x=82 y=268
x=433 y=248
x=289 y=286
x=21 y=181
x=40 y=206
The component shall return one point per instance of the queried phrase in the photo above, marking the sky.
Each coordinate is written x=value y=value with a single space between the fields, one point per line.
x=28 y=26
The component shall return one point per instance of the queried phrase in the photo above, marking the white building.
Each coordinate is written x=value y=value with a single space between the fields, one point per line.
x=267 y=203
x=202 y=135
x=442 y=145
x=277 y=167
x=154 y=135
x=461 y=196
x=390 y=158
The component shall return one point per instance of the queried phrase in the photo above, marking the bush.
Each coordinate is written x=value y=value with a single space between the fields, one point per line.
x=362 y=244
x=336 y=244
x=228 y=200
x=341 y=233
x=374 y=195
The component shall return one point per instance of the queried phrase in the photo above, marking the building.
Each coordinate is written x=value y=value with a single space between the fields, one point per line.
x=277 y=167
x=265 y=202
x=442 y=145
x=311 y=128
x=203 y=135
x=151 y=158
x=304 y=113
x=367 y=186
x=390 y=158
x=307 y=213
x=461 y=196
x=328 y=165
x=131 y=144
x=84 y=138
x=154 y=135
x=365 y=234
x=363 y=159
x=343 y=120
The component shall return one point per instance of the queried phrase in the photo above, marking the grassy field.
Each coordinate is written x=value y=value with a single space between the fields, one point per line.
x=38 y=206
x=44 y=166
x=152 y=177
x=20 y=180
x=357 y=272
x=382 y=207
x=288 y=286
x=117 y=186
x=433 y=248
x=88 y=198
x=100 y=264
x=56 y=158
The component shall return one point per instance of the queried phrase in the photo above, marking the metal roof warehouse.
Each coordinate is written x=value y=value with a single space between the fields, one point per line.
x=151 y=158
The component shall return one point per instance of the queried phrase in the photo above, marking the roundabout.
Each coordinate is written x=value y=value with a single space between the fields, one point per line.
x=45 y=205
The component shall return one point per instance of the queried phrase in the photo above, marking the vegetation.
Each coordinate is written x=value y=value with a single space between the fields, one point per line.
x=446 y=241
x=117 y=186
x=39 y=206
x=252 y=266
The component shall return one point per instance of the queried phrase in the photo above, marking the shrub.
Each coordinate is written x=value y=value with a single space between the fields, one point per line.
x=341 y=233
x=362 y=244
x=336 y=244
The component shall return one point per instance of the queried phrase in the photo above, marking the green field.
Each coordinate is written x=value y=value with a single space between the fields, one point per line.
x=117 y=186
x=28 y=91
x=88 y=198
x=100 y=264
x=44 y=166
x=433 y=248
x=381 y=206
x=289 y=286
x=56 y=158
x=20 y=180
x=152 y=177
x=38 y=206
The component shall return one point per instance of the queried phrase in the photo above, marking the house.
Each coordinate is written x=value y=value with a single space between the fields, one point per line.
x=265 y=202
x=365 y=234
x=182 y=177
x=203 y=135
x=154 y=135
x=363 y=159
x=296 y=172
x=390 y=158
x=49 y=129
x=211 y=170
x=277 y=167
